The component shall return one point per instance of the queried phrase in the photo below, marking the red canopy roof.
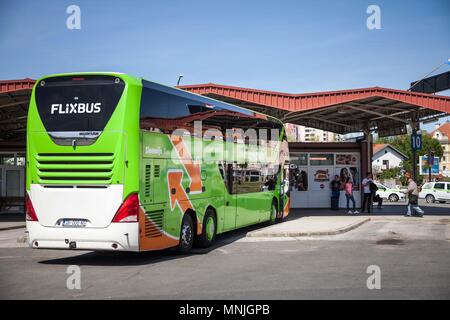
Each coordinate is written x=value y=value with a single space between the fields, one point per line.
x=338 y=111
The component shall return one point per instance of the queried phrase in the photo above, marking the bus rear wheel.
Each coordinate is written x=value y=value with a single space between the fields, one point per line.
x=209 y=229
x=186 y=234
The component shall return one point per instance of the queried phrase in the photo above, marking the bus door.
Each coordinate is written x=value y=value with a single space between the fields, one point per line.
x=253 y=200
x=230 y=197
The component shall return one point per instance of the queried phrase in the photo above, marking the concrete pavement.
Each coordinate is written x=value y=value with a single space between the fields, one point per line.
x=12 y=221
x=412 y=255
x=311 y=226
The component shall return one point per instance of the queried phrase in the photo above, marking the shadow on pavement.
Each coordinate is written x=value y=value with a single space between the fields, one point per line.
x=146 y=258
x=110 y=258
x=12 y=217
x=389 y=209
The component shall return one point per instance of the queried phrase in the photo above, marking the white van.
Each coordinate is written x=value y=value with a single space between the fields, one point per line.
x=435 y=191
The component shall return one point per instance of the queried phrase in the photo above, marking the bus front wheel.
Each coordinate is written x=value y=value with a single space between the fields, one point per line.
x=186 y=234
x=209 y=229
x=274 y=213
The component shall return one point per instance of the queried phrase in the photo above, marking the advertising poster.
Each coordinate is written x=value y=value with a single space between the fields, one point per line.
x=349 y=172
x=347 y=159
x=424 y=165
x=320 y=178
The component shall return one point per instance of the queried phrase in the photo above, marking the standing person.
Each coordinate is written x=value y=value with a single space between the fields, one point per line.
x=348 y=187
x=367 y=200
x=335 y=186
x=413 y=196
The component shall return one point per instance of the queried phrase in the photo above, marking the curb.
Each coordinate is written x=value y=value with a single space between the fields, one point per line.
x=262 y=234
x=12 y=227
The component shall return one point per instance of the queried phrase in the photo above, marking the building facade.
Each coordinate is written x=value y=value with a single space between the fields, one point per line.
x=386 y=157
x=442 y=133
x=298 y=133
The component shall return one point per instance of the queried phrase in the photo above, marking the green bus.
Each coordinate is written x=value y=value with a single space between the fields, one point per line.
x=116 y=162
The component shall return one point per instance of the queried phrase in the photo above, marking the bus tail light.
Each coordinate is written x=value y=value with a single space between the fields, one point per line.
x=30 y=213
x=129 y=210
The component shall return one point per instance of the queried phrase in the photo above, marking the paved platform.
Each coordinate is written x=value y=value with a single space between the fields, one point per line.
x=11 y=225
x=12 y=221
x=311 y=226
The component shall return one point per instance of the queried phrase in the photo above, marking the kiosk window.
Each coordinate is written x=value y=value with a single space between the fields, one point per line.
x=321 y=159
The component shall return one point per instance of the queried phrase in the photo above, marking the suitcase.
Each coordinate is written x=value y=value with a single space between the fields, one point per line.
x=334 y=203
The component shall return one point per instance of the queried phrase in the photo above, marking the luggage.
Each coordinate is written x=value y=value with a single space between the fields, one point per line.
x=334 y=203
x=413 y=199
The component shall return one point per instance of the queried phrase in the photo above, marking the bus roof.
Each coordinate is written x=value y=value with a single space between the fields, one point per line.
x=206 y=100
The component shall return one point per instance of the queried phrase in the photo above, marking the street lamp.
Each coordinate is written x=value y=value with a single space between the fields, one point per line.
x=179 y=79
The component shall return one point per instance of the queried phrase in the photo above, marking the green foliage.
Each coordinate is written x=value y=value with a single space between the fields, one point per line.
x=391 y=173
x=403 y=144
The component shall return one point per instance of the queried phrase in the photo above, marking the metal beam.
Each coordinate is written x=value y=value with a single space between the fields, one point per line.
x=395 y=114
x=14 y=104
x=13 y=120
x=387 y=107
x=335 y=123
x=381 y=115
x=300 y=114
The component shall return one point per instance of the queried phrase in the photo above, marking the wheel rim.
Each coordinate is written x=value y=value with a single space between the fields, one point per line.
x=186 y=235
x=393 y=198
x=429 y=199
x=210 y=228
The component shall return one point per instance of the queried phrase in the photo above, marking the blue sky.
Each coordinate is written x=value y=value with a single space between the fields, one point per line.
x=291 y=46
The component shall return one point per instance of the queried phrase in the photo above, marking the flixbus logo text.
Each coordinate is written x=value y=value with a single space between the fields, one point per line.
x=92 y=107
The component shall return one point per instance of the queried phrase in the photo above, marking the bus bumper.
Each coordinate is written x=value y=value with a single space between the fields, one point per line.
x=115 y=237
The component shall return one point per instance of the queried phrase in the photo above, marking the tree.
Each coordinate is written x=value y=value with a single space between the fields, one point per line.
x=403 y=144
x=390 y=173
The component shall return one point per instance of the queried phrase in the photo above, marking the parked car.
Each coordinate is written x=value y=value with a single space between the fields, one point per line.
x=435 y=191
x=392 y=194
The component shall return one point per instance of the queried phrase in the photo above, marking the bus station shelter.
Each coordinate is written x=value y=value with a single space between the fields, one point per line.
x=384 y=111
x=381 y=110
x=14 y=99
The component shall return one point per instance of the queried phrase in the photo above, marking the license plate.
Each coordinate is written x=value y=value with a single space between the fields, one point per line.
x=73 y=223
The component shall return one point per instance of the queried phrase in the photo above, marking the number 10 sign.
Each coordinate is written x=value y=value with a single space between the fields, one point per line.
x=416 y=141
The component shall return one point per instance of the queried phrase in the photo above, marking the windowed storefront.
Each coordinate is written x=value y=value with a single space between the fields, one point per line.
x=311 y=173
x=12 y=181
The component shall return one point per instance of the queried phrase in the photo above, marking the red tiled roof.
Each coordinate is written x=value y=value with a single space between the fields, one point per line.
x=444 y=129
x=379 y=146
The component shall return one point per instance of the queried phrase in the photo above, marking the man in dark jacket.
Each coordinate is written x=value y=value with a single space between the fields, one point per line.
x=335 y=187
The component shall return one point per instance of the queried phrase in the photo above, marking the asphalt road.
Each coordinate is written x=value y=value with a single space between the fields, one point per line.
x=412 y=254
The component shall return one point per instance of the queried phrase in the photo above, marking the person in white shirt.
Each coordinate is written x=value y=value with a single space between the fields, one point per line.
x=367 y=200
x=413 y=197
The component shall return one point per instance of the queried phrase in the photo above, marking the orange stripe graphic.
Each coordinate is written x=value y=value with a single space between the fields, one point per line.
x=155 y=243
x=192 y=168
x=178 y=195
x=286 y=208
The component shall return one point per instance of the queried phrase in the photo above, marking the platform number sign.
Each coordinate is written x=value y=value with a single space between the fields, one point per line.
x=416 y=141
